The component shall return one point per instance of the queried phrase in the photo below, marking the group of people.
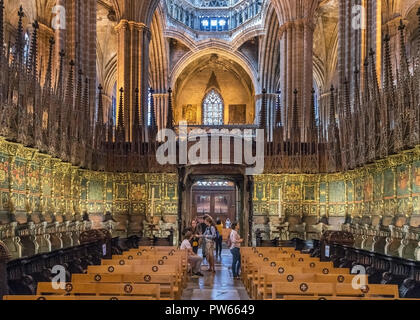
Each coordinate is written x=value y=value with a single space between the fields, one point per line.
x=208 y=234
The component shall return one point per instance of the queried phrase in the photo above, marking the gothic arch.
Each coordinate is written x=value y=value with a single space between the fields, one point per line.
x=219 y=48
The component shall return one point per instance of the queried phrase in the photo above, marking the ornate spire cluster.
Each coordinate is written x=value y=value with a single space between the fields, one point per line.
x=57 y=118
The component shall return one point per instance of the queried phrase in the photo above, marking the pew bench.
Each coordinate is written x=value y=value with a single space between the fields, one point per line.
x=168 y=286
x=101 y=289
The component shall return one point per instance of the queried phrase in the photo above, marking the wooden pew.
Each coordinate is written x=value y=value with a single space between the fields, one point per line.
x=168 y=287
x=342 y=290
x=262 y=289
x=101 y=289
x=141 y=269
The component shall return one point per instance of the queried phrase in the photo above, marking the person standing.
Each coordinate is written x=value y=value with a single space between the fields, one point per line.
x=219 y=240
x=202 y=228
x=210 y=236
x=195 y=240
x=193 y=259
x=228 y=223
x=235 y=249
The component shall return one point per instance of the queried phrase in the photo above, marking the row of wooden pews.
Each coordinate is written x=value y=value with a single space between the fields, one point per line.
x=145 y=273
x=287 y=274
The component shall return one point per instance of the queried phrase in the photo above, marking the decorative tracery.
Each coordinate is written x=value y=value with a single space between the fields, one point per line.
x=213 y=109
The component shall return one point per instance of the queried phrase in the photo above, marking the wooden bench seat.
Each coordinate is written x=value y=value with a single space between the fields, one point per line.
x=101 y=289
x=167 y=282
x=333 y=290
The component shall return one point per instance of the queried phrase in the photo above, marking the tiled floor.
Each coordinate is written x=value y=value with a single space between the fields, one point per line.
x=218 y=286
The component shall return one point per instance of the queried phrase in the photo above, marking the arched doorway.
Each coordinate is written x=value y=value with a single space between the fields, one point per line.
x=229 y=183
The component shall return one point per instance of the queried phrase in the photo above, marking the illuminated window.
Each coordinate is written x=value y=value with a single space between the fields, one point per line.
x=213 y=109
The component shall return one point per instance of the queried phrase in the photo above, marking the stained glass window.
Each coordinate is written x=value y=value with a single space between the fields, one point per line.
x=213 y=109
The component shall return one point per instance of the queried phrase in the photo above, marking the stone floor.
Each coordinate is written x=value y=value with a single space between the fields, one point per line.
x=218 y=286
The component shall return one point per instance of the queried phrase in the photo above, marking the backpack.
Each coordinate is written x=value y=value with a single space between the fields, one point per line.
x=217 y=233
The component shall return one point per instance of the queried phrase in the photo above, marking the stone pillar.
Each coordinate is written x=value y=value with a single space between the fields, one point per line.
x=133 y=68
x=80 y=41
x=360 y=29
x=4 y=258
x=296 y=54
x=45 y=33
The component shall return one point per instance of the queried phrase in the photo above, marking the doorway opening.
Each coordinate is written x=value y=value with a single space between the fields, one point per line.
x=216 y=198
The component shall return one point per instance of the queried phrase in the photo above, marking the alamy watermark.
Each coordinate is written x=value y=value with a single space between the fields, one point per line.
x=200 y=147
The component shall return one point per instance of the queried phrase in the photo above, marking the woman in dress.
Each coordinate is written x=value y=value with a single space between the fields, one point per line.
x=210 y=236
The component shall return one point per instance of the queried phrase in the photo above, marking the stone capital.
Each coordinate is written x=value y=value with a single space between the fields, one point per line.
x=132 y=25
x=301 y=24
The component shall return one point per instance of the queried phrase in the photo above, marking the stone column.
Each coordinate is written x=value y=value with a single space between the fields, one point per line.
x=80 y=41
x=133 y=68
x=45 y=33
x=296 y=54
x=360 y=29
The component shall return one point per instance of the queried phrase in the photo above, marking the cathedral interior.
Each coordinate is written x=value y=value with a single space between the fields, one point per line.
x=88 y=88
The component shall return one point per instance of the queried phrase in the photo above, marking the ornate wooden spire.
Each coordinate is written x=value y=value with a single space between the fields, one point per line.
x=86 y=112
x=295 y=115
x=33 y=56
x=403 y=53
x=418 y=38
x=312 y=115
x=366 y=89
x=1 y=28
x=332 y=119
x=70 y=86
x=100 y=106
x=19 y=38
x=170 y=117
x=263 y=113
x=120 y=123
x=153 y=124
x=78 y=101
x=48 y=75
x=137 y=108
x=278 y=118
x=59 y=87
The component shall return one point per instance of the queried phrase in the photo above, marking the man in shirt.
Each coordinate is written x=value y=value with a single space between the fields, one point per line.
x=193 y=259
